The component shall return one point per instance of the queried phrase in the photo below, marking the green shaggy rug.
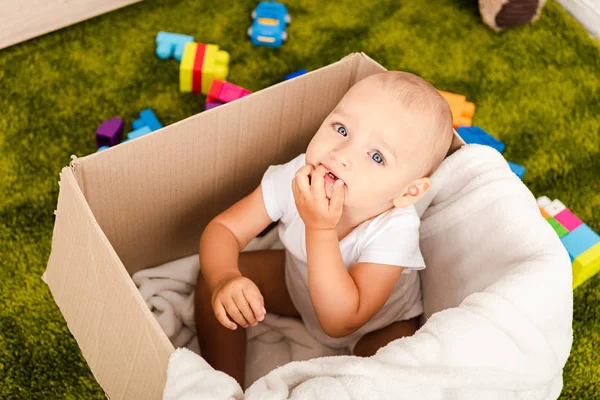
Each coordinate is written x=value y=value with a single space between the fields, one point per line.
x=537 y=88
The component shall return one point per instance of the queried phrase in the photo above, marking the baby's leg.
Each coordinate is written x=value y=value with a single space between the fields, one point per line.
x=222 y=348
x=373 y=341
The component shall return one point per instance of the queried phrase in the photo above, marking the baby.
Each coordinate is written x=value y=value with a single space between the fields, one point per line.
x=348 y=224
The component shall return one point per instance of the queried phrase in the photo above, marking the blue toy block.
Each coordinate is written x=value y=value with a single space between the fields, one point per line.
x=474 y=134
x=102 y=148
x=171 y=44
x=517 y=169
x=579 y=240
x=147 y=118
x=138 y=132
x=295 y=74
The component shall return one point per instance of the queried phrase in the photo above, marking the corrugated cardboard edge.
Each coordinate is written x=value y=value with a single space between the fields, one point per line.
x=24 y=20
x=100 y=311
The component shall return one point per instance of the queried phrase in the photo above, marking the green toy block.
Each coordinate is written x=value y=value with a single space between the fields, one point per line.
x=558 y=228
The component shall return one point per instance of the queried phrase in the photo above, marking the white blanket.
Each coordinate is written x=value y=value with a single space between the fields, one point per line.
x=497 y=298
x=168 y=290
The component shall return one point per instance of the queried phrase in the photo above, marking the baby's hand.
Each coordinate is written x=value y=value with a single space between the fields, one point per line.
x=241 y=299
x=314 y=208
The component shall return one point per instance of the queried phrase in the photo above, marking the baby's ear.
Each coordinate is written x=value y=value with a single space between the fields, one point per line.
x=413 y=192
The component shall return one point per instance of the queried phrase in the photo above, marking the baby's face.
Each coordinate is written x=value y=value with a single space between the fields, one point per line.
x=370 y=142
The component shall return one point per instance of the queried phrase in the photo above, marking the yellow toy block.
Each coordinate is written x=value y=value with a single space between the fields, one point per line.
x=462 y=110
x=215 y=66
x=186 y=68
x=586 y=265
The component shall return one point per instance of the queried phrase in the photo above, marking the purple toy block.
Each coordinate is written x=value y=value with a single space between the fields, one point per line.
x=110 y=132
x=211 y=104
x=568 y=219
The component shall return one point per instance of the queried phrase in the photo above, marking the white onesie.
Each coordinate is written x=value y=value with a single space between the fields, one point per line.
x=389 y=238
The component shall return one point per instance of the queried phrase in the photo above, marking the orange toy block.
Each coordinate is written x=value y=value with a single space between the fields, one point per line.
x=462 y=110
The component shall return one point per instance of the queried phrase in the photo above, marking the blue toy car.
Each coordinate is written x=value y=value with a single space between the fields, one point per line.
x=270 y=21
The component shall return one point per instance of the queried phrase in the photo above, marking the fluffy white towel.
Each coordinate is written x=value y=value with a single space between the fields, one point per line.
x=498 y=303
x=168 y=290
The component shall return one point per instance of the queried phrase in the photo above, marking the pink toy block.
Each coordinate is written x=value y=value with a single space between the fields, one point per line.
x=225 y=92
x=231 y=92
x=568 y=219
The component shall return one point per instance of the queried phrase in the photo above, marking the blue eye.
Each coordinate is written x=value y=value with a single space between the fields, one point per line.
x=377 y=157
x=340 y=129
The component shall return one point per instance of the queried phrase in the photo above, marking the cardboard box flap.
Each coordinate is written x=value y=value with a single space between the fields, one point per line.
x=117 y=333
x=154 y=195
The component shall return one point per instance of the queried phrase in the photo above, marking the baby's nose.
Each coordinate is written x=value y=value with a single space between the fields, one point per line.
x=341 y=157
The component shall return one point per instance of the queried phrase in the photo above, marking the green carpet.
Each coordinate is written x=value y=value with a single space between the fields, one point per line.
x=537 y=88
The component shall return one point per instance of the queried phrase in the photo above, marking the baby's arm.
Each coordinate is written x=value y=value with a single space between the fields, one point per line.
x=344 y=300
x=227 y=234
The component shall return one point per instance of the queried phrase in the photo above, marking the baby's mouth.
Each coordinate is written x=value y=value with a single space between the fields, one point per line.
x=335 y=178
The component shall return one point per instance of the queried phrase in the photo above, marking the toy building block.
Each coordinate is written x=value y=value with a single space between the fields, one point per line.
x=295 y=74
x=225 y=92
x=171 y=44
x=147 y=118
x=110 y=132
x=214 y=90
x=555 y=207
x=197 y=69
x=201 y=63
x=543 y=201
x=474 y=134
x=215 y=66
x=580 y=240
x=462 y=110
x=212 y=104
x=186 y=67
x=144 y=130
x=586 y=265
x=544 y=213
x=519 y=170
x=558 y=228
x=102 y=148
x=568 y=219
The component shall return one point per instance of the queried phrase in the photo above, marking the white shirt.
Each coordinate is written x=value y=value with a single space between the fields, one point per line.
x=389 y=238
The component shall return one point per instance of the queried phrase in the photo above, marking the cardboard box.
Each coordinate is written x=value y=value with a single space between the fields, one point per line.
x=146 y=202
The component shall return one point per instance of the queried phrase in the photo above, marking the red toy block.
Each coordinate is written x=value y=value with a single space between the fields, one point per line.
x=214 y=91
x=225 y=92
x=197 y=71
x=568 y=219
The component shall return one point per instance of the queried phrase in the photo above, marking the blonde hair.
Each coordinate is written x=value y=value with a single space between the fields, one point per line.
x=415 y=93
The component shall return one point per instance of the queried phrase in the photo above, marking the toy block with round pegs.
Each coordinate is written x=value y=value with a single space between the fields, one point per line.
x=171 y=45
x=147 y=118
x=519 y=170
x=225 y=92
x=295 y=74
x=200 y=64
x=580 y=241
x=144 y=130
x=462 y=110
x=109 y=133
x=212 y=104
x=474 y=134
